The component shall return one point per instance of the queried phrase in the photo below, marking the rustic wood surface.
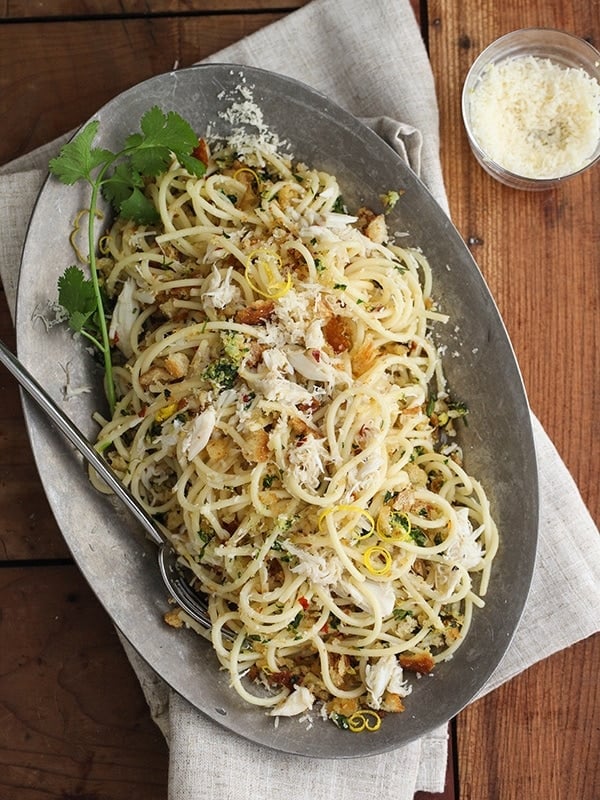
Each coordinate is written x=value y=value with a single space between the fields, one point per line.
x=535 y=737
x=74 y=724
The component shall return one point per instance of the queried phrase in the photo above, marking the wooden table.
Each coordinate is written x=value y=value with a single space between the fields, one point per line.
x=73 y=720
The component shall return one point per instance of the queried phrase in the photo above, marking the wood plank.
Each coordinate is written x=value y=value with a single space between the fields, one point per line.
x=27 y=528
x=49 y=9
x=536 y=736
x=74 y=721
x=544 y=739
x=54 y=76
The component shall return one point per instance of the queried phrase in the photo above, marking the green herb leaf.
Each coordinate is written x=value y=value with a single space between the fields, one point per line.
x=221 y=375
x=418 y=536
x=169 y=129
x=120 y=185
x=339 y=207
x=459 y=409
x=139 y=208
x=77 y=296
x=431 y=403
x=399 y=521
x=193 y=165
x=295 y=623
x=340 y=720
x=78 y=159
x=162 y=134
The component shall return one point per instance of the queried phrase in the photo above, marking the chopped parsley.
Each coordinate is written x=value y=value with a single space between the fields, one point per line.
x=401 y=613
x=294 y=624
x=389 y=199
x=221 y=374
x=339 y=207
x=268 y=481
x=418 y=536
x=340 y=720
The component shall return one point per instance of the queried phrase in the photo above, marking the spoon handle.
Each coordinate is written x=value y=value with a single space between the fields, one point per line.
x=78 y=440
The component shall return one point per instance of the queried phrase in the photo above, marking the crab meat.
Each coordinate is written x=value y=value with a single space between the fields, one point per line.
x=199 y=433
x=301 y=699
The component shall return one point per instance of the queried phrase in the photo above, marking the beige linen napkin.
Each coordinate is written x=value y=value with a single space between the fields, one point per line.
x=370 y=59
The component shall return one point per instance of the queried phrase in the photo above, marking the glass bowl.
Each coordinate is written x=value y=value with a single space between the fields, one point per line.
x=542 y=48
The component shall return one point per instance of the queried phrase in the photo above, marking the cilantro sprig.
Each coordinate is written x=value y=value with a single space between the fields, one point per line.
x=120 y=177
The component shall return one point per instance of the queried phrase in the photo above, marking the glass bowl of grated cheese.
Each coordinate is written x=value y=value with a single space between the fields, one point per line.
x=531 y=107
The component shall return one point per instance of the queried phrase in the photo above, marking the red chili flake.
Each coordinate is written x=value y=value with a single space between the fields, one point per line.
x=303 y=602
x=142 y=411
x=316 y=354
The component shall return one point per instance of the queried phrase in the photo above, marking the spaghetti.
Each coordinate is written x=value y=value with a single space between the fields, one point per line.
x=283 y=412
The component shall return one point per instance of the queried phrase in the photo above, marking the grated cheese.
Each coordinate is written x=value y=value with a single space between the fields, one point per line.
x=536 y=118
x=249 y=131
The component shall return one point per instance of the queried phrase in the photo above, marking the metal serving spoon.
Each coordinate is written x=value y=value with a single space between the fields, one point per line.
x=168 y=560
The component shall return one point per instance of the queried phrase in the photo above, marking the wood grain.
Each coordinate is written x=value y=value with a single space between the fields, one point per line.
x=54 y=76
x=27 y=527
x=75 y=724
x=544 y=738
x=52 y=9
x=535 y=736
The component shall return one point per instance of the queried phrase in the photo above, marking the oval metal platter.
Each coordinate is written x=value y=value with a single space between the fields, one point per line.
x=113 y=554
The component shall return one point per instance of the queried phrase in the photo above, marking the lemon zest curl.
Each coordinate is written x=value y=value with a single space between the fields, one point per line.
x=365 y=720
